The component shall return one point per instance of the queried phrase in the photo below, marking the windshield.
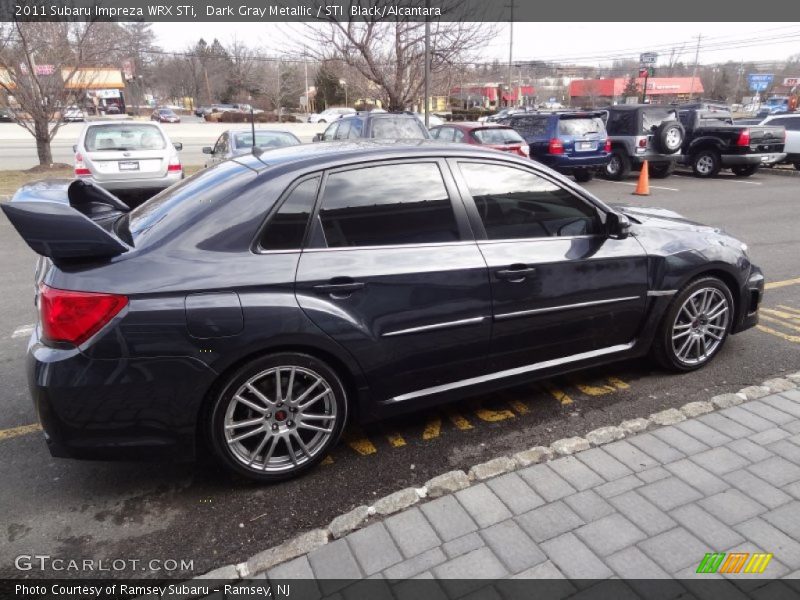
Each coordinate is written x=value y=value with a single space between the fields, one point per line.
x=398 y=128
x=100 y=138
x=580 y=127
x=264 y=139
x=166 y=111
x=498 y=135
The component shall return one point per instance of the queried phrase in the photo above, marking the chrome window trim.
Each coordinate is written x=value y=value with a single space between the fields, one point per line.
x=512 y=372
x=548 y=309
x=394 y=246
x=435 y=326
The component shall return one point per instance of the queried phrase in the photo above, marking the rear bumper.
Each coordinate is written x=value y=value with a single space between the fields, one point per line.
x=654 y=158
x=750 y=300
x=120 y=409
x=155 y=183
x=567 y=164
x=767 y=158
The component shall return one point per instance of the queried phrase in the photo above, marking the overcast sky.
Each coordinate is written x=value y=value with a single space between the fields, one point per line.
x=584 y=43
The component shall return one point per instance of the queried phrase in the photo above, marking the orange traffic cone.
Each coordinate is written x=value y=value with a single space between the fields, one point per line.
x=643 y=187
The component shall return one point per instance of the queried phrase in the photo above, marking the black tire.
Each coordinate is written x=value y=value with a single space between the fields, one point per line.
x=706 y=163
x=619 y=165
x=797 y=165
x=583 y=175
x=662 y=170
x=669 y=137
x=663 y=350
x=322 y=121
x=744 y=170
x=223 y=409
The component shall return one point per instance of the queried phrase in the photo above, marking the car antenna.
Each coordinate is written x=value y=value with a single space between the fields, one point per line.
x=256 y=151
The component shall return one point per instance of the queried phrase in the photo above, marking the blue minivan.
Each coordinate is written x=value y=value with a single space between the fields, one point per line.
x=571 y=142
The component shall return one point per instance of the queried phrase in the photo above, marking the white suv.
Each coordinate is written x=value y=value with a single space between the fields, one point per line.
x=792 y=146
x=127 y=156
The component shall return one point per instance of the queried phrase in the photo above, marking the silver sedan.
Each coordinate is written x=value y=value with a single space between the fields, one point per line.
x=235 y=142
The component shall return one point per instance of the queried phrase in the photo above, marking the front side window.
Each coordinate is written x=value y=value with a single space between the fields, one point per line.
x=287 y=227
x=330 y=132
x=101 y=138
x=343 y=131
x=387 y=205
x=517 y=204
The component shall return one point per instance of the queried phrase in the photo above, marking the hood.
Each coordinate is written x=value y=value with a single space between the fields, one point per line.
x=662 y=218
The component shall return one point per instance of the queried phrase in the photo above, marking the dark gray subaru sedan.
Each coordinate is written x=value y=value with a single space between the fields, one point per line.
x=257 y=306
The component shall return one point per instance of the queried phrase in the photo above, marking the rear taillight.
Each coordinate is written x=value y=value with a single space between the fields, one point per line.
x=744 y=138
x=607 y=146
x=174 y=165
x=80 y=168
x=74 y=317
x=643 y=142
x=555 y=147
x=524 y=150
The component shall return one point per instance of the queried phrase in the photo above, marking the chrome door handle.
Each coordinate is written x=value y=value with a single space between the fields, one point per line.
x=515 y=274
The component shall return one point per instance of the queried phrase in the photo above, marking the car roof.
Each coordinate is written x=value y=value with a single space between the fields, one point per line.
x=335 y=153
x=472 y=125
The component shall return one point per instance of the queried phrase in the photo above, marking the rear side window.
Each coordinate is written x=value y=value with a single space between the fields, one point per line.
x=517 y=204
x=387 y=205
x=580 y=127
x=398 y=128
x=497 y=135
x=621 y=122
x=531 y=126
x=287 y=227
x=652 y=118
x=124 y=137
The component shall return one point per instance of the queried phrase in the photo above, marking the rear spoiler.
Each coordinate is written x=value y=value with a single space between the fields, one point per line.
x=63 y=220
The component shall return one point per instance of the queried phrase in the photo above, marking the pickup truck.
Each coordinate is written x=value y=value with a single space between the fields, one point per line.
x=714 y=142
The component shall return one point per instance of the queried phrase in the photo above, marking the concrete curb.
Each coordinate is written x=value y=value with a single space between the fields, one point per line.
x=453 y=481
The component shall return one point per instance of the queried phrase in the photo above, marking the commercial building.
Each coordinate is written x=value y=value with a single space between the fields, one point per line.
x=600 y=92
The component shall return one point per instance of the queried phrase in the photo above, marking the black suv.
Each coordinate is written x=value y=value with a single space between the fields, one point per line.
x=643 y=132
x=376 y=125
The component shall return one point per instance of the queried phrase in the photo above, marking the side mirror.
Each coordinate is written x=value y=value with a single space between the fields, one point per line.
x=178 y=145
x=317 y=138
x=618 y=226
x=208 y=150
x=74 y=147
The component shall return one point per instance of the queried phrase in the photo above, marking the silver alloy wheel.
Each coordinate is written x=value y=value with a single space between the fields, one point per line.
x=614 y=165
x=674 y=138
x=280 y=419
x=700 y=326
x=705 y=164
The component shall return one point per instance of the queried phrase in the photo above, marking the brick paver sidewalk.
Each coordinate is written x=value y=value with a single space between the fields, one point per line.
x=648 y=506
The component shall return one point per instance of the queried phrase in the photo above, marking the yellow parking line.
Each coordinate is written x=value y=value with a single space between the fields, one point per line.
x=779 y=284
x=785 y=336
x=618 y=383
x=493 y=416
x=459 y=421
x=557 y=393
x=594 y=390
x=360 y=443
x=780 y=321
x=781 y=314
x=328 y=460
x=7 y=434
x=789 y=309
x=432 y=428
x=396 y=440
x=519 y=406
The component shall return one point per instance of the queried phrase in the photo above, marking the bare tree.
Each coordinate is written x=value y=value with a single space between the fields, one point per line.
x=391 y=54
x=43 y=66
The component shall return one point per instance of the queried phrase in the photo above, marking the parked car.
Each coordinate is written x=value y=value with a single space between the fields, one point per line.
x=6 y=115
x=220 y=314
x=791 y=122
x=110 y=109
x=433 y=120
x=330 y=114
x=235 y=142
x=503 y=114
x=381 y=125
x=498 y=137
x=202 y=111
x=127 y=156
x=571 y=142
x=72 y=114
x=643 y=132
x=165 y=115
x=712 y=142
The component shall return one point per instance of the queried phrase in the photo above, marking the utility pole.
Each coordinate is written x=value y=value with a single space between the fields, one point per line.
x=510 y=49
x=305 y=68
x=427 y=69
x=694 y=71
x=738 y=81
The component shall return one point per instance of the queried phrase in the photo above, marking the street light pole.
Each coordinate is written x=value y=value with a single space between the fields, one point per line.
x=427 y=66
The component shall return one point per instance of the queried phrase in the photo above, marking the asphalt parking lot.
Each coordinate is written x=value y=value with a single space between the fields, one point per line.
x=168 y=511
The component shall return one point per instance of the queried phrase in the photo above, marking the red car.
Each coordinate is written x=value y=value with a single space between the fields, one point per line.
x=499 y=137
